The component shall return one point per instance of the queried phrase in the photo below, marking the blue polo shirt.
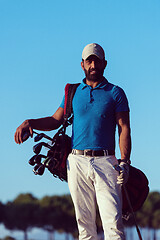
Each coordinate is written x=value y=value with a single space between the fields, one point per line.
x=94 y=109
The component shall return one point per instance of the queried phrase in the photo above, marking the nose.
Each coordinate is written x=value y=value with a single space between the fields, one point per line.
x=93 y=64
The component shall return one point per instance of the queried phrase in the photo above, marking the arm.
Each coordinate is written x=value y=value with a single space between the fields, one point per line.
x=123 y=122
x=44 y=124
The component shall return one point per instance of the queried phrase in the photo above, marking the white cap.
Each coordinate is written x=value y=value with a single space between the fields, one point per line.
x=93 y=49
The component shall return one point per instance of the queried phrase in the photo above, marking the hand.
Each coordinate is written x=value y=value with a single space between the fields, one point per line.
x=124 y=173
x=22 y=131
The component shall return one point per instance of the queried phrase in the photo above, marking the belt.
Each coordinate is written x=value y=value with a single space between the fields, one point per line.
x=93 y=153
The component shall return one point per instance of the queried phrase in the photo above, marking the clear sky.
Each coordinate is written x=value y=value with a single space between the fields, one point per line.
x=40 y=51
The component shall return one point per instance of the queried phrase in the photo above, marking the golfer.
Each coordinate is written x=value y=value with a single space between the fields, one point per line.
x=98 y=106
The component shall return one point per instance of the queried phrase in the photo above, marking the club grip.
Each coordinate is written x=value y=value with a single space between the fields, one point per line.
x=117 y=168
x=25 y=136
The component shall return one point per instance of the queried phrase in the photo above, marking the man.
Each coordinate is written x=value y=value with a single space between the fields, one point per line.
x=98 y=106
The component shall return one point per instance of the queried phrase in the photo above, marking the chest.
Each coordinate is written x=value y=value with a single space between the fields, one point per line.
x=93 y=102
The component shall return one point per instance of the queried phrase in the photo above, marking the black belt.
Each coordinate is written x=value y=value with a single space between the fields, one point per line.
x=93 y=153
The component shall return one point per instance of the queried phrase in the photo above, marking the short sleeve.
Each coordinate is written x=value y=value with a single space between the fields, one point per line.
x=120 y=99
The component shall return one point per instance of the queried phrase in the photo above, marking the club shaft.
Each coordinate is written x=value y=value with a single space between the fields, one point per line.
x=130 y=205
x=117 y=168
x=45 y=136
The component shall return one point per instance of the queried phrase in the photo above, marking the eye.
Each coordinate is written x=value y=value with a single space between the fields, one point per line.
x=88 y=61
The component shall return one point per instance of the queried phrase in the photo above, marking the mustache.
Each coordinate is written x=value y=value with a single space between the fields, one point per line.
x=94 y=69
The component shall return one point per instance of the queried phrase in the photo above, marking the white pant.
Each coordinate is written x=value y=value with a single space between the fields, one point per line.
x=91 y=179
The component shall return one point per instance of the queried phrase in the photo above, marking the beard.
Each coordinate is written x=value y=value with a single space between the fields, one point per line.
x=90 y=76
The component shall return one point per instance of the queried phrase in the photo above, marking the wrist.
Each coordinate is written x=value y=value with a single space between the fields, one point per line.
x=29 y=122
x=128 y=161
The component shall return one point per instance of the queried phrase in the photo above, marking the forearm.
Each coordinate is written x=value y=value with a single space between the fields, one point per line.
x=44 y=124
x=125 y=143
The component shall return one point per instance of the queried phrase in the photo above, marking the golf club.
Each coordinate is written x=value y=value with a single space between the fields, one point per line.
x=36 y=159
x=31 y=160
x=118 y=168
x=51 y=163
x=39 y=169
x=37 y=148
x=40 y=136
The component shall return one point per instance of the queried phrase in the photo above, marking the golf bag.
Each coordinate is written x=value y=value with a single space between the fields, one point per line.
x=137 y=191
x=59 y=152
x=60 y=144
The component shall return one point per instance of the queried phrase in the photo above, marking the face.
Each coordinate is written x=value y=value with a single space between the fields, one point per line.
x=93 y=68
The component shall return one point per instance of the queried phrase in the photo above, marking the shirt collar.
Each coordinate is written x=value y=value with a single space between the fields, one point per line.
x=100 y=85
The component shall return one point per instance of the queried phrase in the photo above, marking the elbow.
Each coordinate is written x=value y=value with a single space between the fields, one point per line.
x=55 y=123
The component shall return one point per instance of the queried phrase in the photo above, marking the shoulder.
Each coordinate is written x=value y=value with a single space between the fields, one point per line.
x=119 y=98
x=118 y=92
x=114 y=90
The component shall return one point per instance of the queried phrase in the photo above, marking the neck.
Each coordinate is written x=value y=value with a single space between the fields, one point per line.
x=92 y=83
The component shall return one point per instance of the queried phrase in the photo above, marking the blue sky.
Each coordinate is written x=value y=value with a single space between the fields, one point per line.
x=40 y=51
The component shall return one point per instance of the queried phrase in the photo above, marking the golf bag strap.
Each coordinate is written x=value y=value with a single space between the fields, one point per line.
x=69 y=94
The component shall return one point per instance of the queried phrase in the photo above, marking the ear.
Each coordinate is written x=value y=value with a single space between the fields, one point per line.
x=82 y=65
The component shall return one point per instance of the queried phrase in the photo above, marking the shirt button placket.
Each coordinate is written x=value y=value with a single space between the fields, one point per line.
x=91 y=96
